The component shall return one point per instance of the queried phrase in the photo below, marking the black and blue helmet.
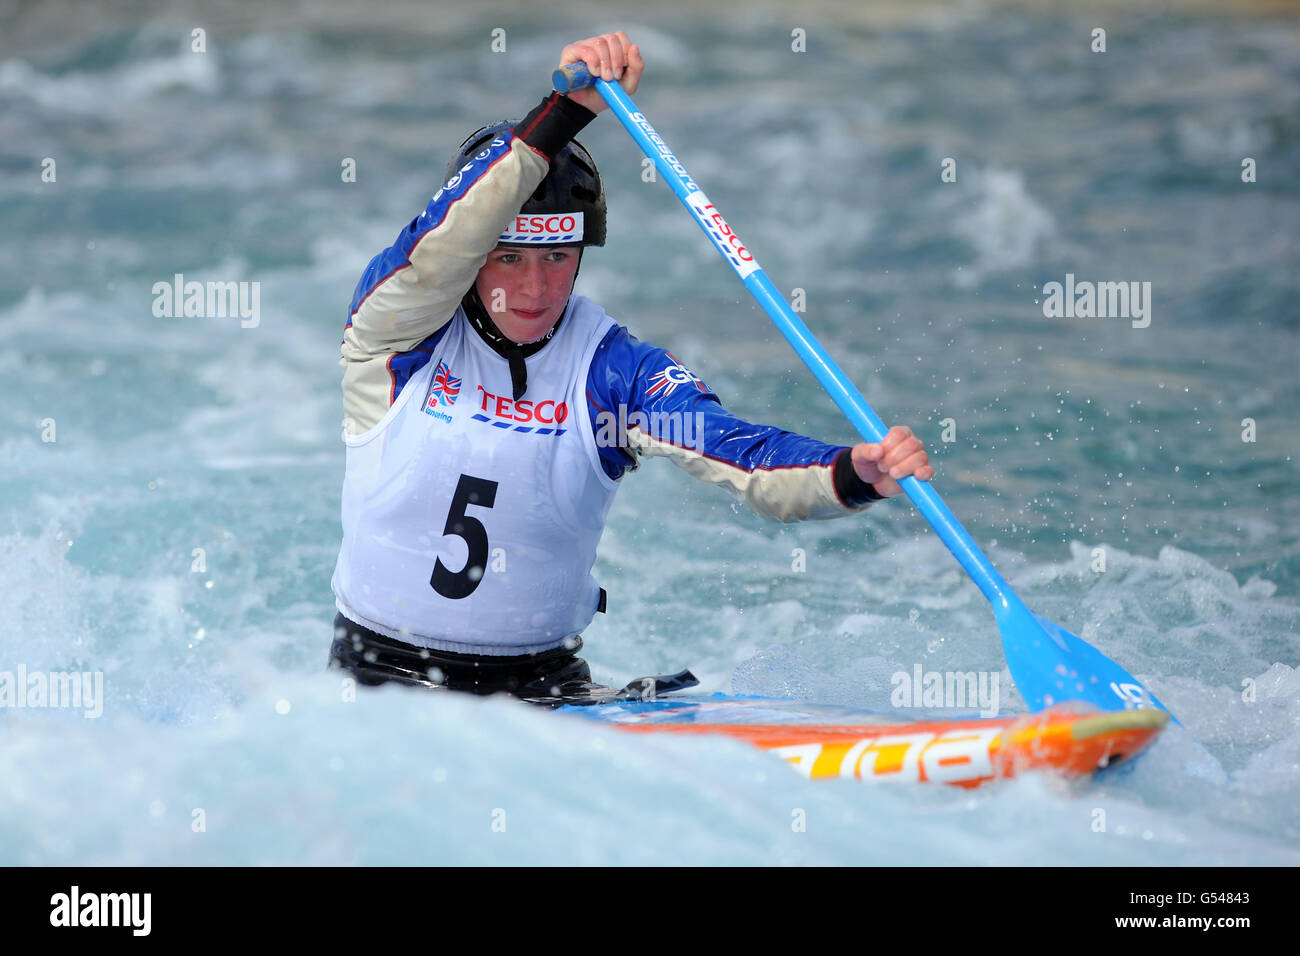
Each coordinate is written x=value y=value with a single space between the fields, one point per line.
x=568 y=206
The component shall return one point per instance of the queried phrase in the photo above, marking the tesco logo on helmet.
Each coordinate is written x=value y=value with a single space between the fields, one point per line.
x=533 y=225
x=560 y=227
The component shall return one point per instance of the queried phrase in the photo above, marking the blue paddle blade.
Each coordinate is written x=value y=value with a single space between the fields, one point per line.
x=1049 y=665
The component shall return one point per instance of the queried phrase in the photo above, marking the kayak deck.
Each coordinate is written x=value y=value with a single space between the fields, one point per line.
x=827 y=742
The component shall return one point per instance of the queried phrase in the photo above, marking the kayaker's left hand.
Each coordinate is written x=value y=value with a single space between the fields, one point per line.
x=899 y=455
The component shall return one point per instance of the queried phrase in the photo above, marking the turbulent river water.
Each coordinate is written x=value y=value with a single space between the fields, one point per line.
x=170 y=485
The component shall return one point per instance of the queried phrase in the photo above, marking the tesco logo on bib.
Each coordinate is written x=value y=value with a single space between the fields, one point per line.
x=542 y=418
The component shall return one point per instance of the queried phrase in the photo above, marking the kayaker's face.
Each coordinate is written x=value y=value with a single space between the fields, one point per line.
x=525 y=290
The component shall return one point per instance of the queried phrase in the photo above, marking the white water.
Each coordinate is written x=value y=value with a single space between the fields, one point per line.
x=175 y=435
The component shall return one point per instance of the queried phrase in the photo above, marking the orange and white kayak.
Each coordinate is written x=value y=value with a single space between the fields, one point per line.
x=1072 y=738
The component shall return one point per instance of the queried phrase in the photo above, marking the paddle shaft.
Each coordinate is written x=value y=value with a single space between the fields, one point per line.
x=831 y=376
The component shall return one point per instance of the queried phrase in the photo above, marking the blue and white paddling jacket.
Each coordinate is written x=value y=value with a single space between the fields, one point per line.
x=471 y=519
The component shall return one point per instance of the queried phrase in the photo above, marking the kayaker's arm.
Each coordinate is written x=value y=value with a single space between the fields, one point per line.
x=779 y=474
x=413 y=287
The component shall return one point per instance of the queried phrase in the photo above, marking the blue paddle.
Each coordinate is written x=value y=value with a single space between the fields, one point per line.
x=1047 y=662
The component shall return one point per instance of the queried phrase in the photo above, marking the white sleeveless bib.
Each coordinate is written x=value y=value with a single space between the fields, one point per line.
x=470 y=521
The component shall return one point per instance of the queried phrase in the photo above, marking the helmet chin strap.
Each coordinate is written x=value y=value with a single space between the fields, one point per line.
x=513 y=352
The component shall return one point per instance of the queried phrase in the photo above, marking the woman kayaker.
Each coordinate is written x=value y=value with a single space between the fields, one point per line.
x=490 y=415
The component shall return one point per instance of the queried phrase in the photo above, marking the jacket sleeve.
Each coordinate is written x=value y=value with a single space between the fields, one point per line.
x=643 y=401
x=413 y=288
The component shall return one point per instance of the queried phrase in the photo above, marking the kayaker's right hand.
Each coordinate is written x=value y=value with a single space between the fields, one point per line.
x=610 y=57
x=900 y=453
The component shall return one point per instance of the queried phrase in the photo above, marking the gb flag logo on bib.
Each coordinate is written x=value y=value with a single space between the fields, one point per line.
x=443 y=391
x=445 y=388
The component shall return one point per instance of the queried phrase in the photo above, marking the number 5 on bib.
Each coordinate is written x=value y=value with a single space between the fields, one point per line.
x=461 y=584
